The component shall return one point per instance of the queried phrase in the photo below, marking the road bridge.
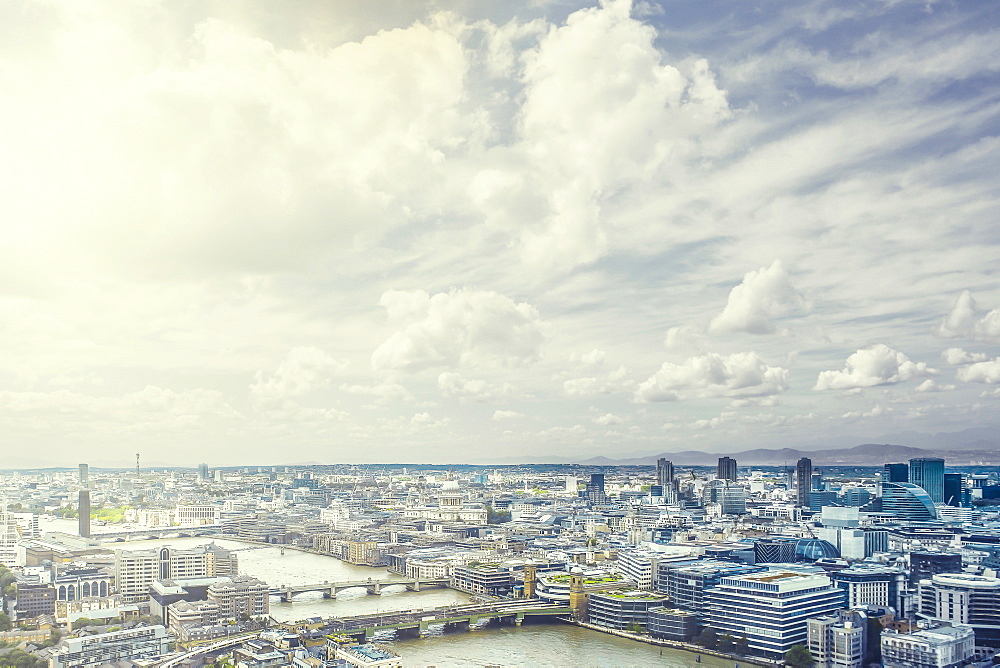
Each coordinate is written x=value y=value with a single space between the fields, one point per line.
x=159 y=532
x=373 y=587
x=415 y=622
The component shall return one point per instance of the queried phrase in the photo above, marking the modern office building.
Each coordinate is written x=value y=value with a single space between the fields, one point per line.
x=136 y=570
x=666 y=479
x=33 y=600
x=774 y=550
x=84 y=476
x=686 y=582
x=960 y=598
x=907 y=501
x=925 y=565
x=771 y=609
x=734 y=500
x=9 y=537
x=672 y=624
x=896 y=473
x=955 y=491
x=83 y=513
x=145 y=642
x=872 y=585
x=203 y=472
x=485 y=579
x=928 y=472
x=838 y=640
x=623 y=609
x=726 y=469
x=595 y=489
x=803 y=482
x=940 y=647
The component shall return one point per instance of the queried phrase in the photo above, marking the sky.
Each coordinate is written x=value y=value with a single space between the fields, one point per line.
x=247 y=232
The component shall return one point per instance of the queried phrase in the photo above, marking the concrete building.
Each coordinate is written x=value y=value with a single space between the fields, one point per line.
x=838 y=640
x=144 y=642
x=136 y=570
x=197 y=514
x=33 y=600
x=9 y=537
x=84 y=475
x=872 y=585
x=960 y=598
x=941 y=647
x=771 y=608
x=240 y=596
x=623 y=609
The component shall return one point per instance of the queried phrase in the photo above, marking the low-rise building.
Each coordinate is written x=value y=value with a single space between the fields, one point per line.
x=144 y=642
x=941 y=647
x=482 y=579
x=838 y=640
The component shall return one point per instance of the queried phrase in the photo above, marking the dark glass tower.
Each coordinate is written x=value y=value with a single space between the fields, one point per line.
x=928 y=472
x=803 y=481
x=896 y=473
x=727 y=469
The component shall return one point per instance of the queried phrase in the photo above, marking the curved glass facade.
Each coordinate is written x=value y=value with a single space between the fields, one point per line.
x=907 y=501
x=811 y=549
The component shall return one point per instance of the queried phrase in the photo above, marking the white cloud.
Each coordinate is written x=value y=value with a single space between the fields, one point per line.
x=387 y=392
x=454 y=385
x=587 y=386
x=607 y=419
x=930 y=385
x=964 y=321
x=500 y=415
x=303 y=370
x=425 y=421
x=956 y=356
x=871 y=366
x=981 y=372
x=462 y=328
x=764 y=295
x=594 y=358
x=875 y=411
x=712 y=375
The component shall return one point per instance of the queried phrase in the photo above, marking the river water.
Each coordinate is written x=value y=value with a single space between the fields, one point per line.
x=528 y=645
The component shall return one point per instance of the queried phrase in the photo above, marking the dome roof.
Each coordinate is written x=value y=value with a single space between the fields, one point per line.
x=811 y=549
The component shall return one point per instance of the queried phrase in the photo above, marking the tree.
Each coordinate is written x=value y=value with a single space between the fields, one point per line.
x=743 y=645
x=5 y=624
x=708 y=638
x=799 y=656
x=726 y=643
x=634 y=627
x=496 y=516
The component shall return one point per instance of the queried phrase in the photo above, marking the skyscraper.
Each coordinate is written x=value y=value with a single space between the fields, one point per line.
x=84 y=475
x=803 y=481
x=202 y=472
x=665 y=479
x=896 y=473
x=928 y=472
x=955 y=492
x=595 y=488
x=83 y=508
x=727 y=469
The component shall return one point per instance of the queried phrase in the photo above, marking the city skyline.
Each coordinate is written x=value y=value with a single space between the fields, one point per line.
x=349 y=232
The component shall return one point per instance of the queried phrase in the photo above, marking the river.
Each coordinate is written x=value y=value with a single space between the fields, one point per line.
x=528 y=645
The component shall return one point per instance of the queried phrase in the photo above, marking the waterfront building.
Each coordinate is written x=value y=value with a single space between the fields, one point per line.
x=803 y=481
x=638 y=566
x=623 y=609
x=771 y=608
x=907 y=501
x=672 y=624
x=838 y=640
x=197 y=514
x=928 y=473
x=726 y=469
x=940 y=647
x=482 y=579
x=144 y=642
x=960 y=598
x=686 y=582
x=136 y=570
x=239 y=596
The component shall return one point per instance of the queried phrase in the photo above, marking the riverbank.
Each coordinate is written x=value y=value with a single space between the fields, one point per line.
x=673 y=644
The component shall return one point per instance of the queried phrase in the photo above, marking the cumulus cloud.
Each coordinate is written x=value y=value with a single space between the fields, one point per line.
x=607 y=419
x=930 y=385
x=712 y=375
x=981 y=372
x=956 y=356
x=875 y=411
x=462 y=328
x=964 y=320
x=303 y=370
x=763 y=295
x=499 y=415
x=871 y=366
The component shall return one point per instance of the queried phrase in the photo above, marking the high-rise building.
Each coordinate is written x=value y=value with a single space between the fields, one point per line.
x=907 y=501
x=726 y=469
x=928 y=472
x=9 y=537
x=83 y=516
x=84 y=475
x=896 y=473
x=666 y=479
x=595 y=488
x=734 y=500
x=803 y=482
x=203 y=472
x=955 y=492
x=771 y=608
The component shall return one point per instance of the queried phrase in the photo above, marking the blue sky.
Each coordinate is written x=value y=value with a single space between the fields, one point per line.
x=390 y=231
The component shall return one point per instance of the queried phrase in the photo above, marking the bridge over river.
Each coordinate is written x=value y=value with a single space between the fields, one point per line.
x=373 y=587
x=416 y=622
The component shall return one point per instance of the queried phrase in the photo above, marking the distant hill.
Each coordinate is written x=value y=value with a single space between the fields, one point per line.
x=868 y=454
